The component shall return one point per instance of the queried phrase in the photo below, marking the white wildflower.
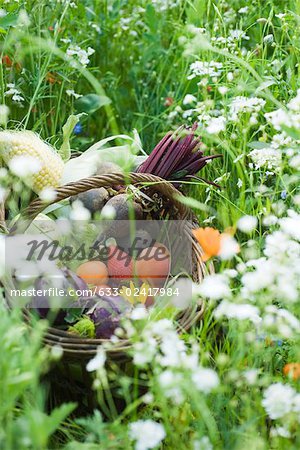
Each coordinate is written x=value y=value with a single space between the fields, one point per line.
x=280 y=140
x=247 y=224
x=205 y=380
x=17 y=98
x=295 y=162
x=230 y=76
x=280 y=431
x=48 y=195
x=23 y=19
x=96 y=27
x=148 y=398
x=56 y=352
x=202 y=444
x=231 y=273
x=261 y=277
x=266 y=157
x=229 y=247
x=278 y=400
x=139 y=313
x=81 y=55
x=164 y=5
x=144 y=352
x=238 y=35
x=242 y=105
x=294 y=104
x=124 y=23
x=66 y=40
x=72 y=93
x=278 y=245
x=186 y=288
x=296 y=200
x=14 y=93
x=4 y=112
x=243 y=10
x=269 y=39
x=223 y=90
x=23 y=166
x=188 y=113
x=291 y=225
x=195 y=30
x=147 y=434
x=251 y=376
x=108 y=212
x=216 y=125
x=289 y=117
x=188 y=99
x=172 y=349
x=169 y=382
x=237 y=311
x=280 y=321
x=97 y=362
x=205 y=68
x=215 y=287
x=79 y=212
x=270 y=220
x=280 y=15
x=279 y=117
x=209 y=219
x=162 y=327
x=239 y=183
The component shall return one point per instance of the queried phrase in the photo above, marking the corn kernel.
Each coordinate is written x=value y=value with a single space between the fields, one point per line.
x=27 y=143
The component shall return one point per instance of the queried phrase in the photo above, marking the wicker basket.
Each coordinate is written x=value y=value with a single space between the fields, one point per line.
x=77 y=350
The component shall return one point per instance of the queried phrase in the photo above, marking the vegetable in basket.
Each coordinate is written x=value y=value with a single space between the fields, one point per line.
x=26 y=147
x=63 y=306
x=107 y=314
x=177 y=156
x=47 y=167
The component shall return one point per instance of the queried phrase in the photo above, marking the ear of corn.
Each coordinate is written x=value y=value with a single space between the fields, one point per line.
x=27 y=143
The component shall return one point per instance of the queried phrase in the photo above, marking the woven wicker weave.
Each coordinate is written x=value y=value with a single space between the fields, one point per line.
x=76 y=347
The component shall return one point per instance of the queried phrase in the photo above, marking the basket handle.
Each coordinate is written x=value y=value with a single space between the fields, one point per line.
x=109 y=180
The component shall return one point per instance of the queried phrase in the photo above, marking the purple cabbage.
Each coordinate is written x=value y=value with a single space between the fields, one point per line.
x=107 y=315
x=68 y=280
x=105 y=311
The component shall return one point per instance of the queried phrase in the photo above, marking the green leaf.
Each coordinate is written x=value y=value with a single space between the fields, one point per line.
x=151 y=18
x=292 y=132
x=65 y=149
x=265 y=84
x=91 y=102
x=8 y=20
x=196 y=12
x=73 y=314
x=58 y=415
x=257 y=145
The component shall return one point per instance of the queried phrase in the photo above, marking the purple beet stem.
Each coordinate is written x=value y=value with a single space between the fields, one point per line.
x=174 y=154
